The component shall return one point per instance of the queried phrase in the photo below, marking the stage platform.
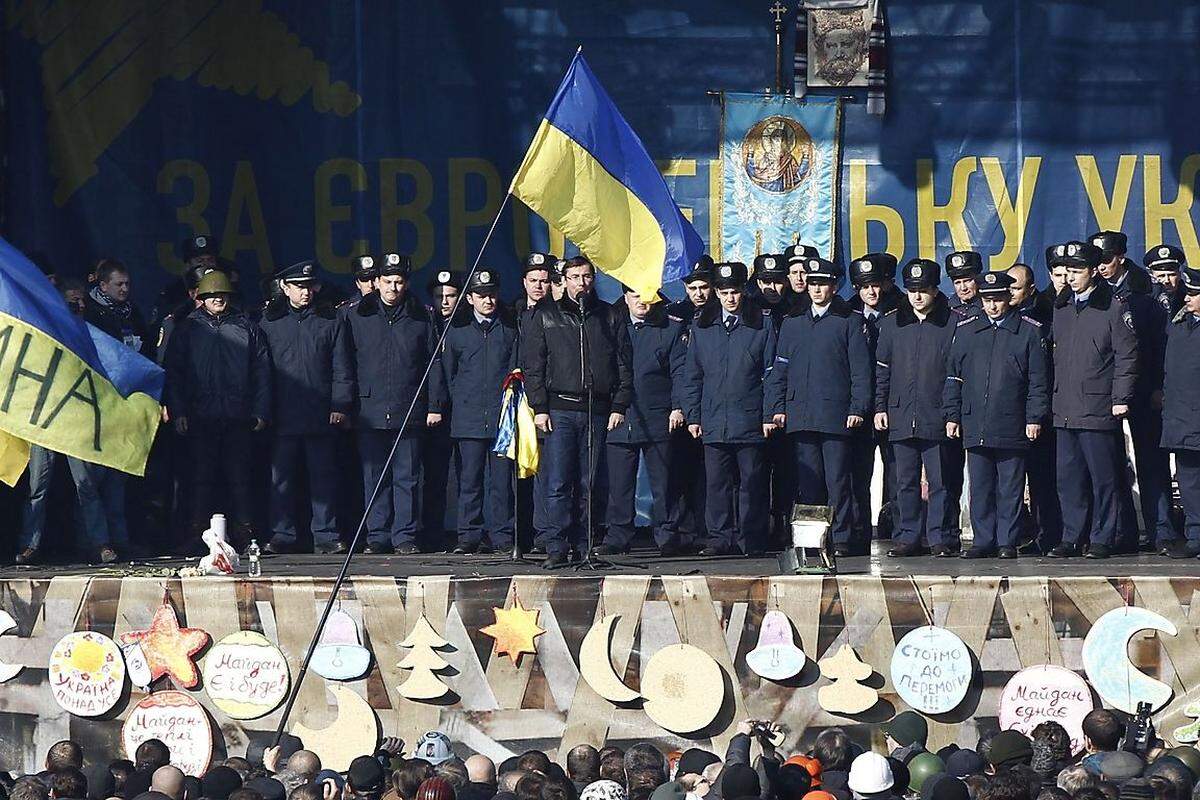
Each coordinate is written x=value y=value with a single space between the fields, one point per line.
x=1009 y=615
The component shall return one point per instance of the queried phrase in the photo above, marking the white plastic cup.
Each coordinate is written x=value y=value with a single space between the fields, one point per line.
x=217 y=525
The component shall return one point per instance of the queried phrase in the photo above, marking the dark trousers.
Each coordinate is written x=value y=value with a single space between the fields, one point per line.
x=437 y=478
x=622 y=492
x=569 y=485
x=781 y=464
x=1153 y=474
x=1187 y=472
x=862 y=467
x=1089 y=481
x=911 y=455
x=997 y=494
x=317 y=457
x=736 y=521
x=823 y=477
x=538 y=493
x=687 y=458
x=1041 y=467
x=221 y=454
x=396 y=515
x=954 y=467
x=485 y=495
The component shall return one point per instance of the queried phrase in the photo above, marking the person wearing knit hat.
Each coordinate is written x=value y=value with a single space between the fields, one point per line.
x=218 y=782
x=671 y=790
x=739 y=780
x=435 y=789
x=964 y=763
x=906 y=735
x=269 y=788
x=1190 y=757
x=694 y=760
x=1120 y=766
x=1008 y=749
x=792 y=782
x=365 y=775
x=870 y=776
x=603 y=790
x=944 y=787
x=811 y=765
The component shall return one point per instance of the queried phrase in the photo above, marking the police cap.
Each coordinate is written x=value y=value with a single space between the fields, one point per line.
x=445 y=277
x=558 y=271
x=729 y=275
x=798 y=253
x=394 y=264
x=536 y=261
x=819 y=269
x=201 y=245
x=301 y=272
x=213 y=282
x=996 y=283
x=484 y=281
x=1165 y=257
x=1111 y=243
x=873 y=268
x=964 y=264
x=366 y=268
x=1081 y=254
x=1191 y=280
x=702 y=270
x=1056 y=256
x=770 y=267
x=921 y=273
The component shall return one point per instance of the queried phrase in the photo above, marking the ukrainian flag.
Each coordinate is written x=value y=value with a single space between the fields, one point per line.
x=588 y=174
x=65 y=385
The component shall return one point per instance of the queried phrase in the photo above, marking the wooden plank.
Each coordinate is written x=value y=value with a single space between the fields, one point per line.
x=1094 y=597
x=799 y=596
x=589 y=714
x=56 y=617
x=470 y=683
x=699 y=625
x=211 y=604
x=1158 y=594
x=869 y=625
x=1030 y=620
x=969 y=603
x=509 y=682
x=295 y=612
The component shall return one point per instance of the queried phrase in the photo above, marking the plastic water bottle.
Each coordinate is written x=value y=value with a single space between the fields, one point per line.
x=254 y=565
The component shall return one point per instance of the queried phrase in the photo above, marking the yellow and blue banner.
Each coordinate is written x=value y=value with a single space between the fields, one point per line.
x=64 y=384
x=516 y=435
x=588 y=174
x=780 y=162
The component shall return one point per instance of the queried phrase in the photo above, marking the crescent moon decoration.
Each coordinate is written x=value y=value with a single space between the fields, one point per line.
x=776 y=656
x=595 y=663
x=8 y=671
x=683 y=687
x=1106 y=659
x=355 y=731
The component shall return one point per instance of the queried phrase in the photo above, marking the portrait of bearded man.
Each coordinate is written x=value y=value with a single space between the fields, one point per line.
x=838 y=47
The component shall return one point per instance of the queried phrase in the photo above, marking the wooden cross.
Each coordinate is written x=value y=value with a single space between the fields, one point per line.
x=778 y=10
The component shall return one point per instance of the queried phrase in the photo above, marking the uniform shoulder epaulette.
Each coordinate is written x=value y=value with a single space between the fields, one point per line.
x=889 y=313
x=1180 y=315
x=674 y=318
x=1031 y=321
x=856 y=311
x=966 y=321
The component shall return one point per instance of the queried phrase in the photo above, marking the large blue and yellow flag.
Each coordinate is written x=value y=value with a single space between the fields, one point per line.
x=588 y=174
x=65 y=385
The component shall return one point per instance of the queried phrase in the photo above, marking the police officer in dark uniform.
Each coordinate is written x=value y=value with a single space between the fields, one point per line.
x=537 y=283
x=996 y=400
x=1045 y=526
x=438 y=488
x=578 y=380
x=964 y=268
x=479 y=353
x=394 y=338
x=1164 y=263
x=1095 y=371
x=910 y=379
x=1132 y=285
x=654 y=414
x=698 y=286
x=312 y=389
x=819 y=391
x=218 y=390
x=1181 y=404
x=732 y=346
x=875 y=295
x=366 y=270
x=771 y=280
x=775 y=299
x=795 y=255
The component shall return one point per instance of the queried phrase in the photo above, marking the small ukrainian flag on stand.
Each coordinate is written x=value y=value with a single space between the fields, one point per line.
x=588 y=174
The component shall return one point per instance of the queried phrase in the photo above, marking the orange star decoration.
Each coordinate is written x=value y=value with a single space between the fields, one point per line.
x=514 y=631
x=169 y=648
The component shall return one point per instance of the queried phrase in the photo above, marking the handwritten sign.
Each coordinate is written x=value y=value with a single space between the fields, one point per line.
x=1046 y=694
x=931 y=669
x=176 y=720
x=246 y=675
x=86 y=673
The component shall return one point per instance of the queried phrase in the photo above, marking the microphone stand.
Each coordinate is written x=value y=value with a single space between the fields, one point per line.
x=590 y=559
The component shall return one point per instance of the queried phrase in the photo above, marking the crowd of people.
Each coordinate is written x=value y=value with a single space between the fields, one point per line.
x=762 y=388
x=1005 y=765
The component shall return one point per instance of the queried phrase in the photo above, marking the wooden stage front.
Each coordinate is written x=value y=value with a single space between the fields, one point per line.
x=1010 y=615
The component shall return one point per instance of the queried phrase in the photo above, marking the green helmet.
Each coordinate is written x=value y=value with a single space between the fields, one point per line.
x=921 y=767
x=1190 y=756
x=215 y=282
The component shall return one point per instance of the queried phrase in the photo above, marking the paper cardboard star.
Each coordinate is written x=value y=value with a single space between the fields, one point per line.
x=169 y=648
x=514 y=631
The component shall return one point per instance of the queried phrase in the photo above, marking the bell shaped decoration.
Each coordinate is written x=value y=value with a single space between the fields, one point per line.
x=340 y=656
x=776 y=657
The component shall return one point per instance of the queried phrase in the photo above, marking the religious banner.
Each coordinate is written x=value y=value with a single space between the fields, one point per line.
x=780 y=160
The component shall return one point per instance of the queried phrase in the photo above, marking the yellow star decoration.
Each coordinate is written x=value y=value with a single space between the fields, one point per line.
x=514 y=631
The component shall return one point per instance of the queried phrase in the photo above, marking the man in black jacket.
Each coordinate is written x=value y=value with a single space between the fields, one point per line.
x=656 y=412
x=1095 y=372
x=311 y=387
x=394 y=340
x=577 y=364
x=109 y=308
x=910 y=378
x=218 y=391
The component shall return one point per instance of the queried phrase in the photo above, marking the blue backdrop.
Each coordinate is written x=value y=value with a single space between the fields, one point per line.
x=291 y=130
